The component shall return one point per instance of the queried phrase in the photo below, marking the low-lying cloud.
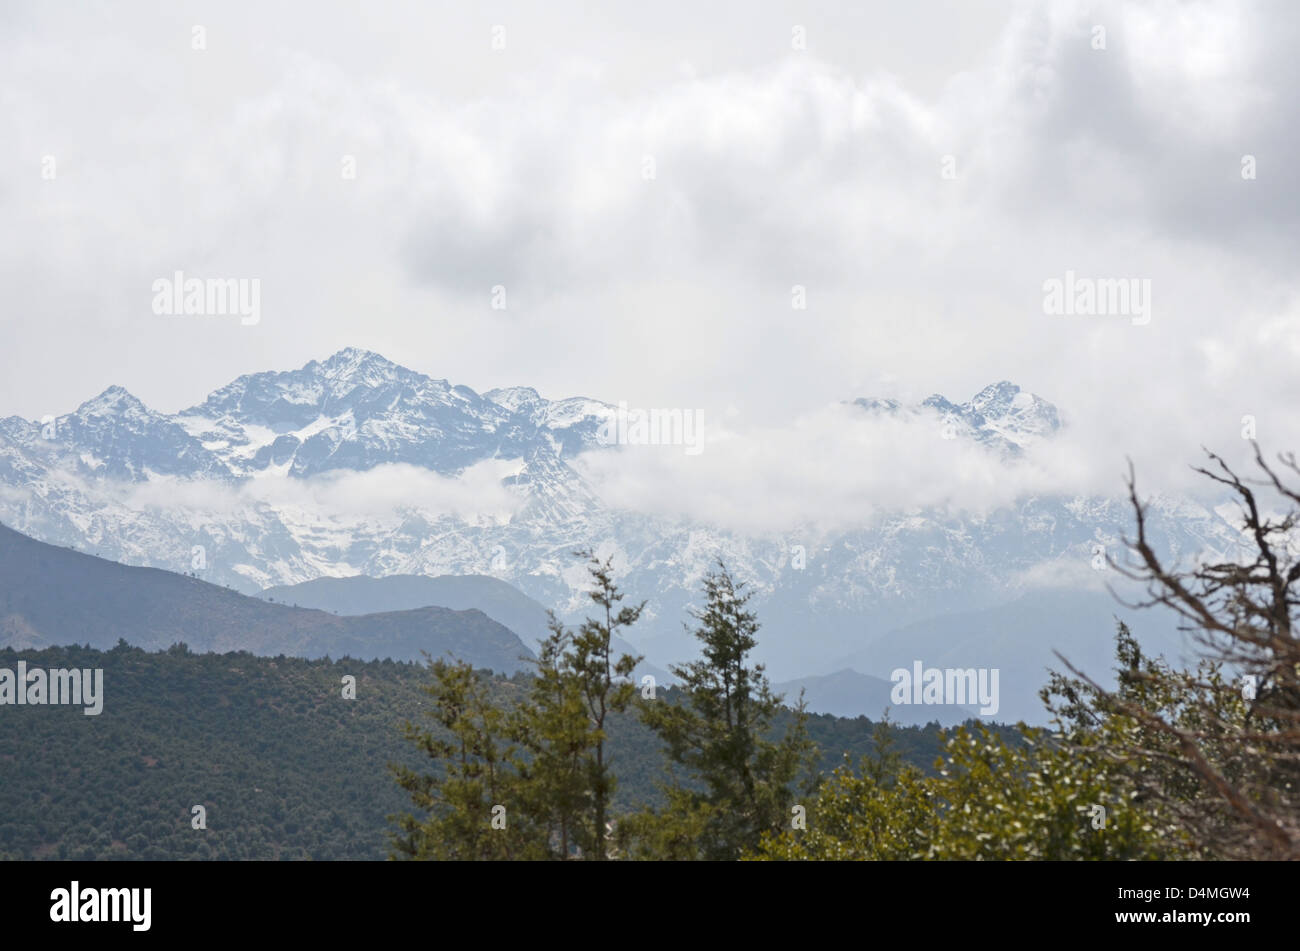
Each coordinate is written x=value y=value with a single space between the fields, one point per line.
x=384 y=493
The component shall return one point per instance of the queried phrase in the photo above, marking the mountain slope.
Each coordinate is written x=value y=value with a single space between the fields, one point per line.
x=495 y=598
x=1020 y=640
x=362 y=595
x=285 y=767
x=52 y=596
x=847 y=693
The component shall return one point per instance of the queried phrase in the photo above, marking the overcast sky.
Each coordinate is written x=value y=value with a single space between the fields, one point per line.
x=1112 y=154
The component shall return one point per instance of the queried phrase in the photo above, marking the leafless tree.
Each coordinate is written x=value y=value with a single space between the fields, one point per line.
x=1231 y=725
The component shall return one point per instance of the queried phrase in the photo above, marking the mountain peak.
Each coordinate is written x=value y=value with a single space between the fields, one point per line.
x=355 y=355
x=1001 y=414
x=994 y=390
x=1014 y=412
x=352 y=359
x=514 y=397
x=114 y=400
x=877 y=405
x=996 y=398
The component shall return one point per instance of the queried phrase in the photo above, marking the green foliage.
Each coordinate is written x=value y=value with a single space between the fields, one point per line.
x=466 y=802
x=1151 y=762
x=583 y=665
x=557 y=780
x=718 y=733
x=286 y=768
x=555 y=729
x=1058 y=795
x=989 y=801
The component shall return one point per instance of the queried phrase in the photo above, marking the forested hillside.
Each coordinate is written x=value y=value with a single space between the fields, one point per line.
x=285 y=767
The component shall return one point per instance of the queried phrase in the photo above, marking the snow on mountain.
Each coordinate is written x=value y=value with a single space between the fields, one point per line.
x=1000 y=416
x=233 y=489
x=112 y=436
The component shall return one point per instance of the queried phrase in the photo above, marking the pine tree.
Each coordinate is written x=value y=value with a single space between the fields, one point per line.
x=555 y=730
x=720 y=732
x=476 y=808
x=580 y=685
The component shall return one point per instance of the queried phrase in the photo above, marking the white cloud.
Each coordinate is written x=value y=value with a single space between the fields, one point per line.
x=384 y=493
x=773 y=168
x=836 y=467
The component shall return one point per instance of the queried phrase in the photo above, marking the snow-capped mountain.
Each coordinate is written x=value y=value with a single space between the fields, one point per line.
x=1000 y=416
x=358 y=410
x=240 y=489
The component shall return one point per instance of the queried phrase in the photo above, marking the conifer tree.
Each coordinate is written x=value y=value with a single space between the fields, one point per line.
x=580 y=684
x=555 y=730
x=720 y=732
x=473 y=799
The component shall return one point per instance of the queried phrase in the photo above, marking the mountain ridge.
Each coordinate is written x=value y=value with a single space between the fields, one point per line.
x=154 y=609
x=241 y=478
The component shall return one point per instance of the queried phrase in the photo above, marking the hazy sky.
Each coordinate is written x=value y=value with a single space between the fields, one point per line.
x=1116 y=153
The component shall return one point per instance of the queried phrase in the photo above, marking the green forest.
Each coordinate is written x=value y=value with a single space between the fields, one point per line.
x=284 y=766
